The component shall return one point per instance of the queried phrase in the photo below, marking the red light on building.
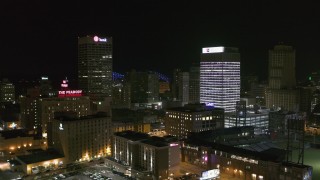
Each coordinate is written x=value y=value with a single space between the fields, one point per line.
x=66 y=92
x=70 y=93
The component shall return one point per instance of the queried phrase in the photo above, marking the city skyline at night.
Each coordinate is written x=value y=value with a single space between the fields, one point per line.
x=159 y=90
x=155 y=35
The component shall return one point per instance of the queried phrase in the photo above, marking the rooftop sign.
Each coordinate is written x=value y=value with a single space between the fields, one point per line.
x=98 y=39
x=212 y=50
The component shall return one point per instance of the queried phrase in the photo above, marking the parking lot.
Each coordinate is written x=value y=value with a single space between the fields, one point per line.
x=95 y=172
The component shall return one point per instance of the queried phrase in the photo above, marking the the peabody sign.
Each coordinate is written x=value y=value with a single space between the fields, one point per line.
x=70 y=93
x=244 y=159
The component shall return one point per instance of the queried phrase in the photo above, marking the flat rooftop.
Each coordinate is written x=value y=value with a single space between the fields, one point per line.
x=71 y=116
x=160 y=141
x=134 y=136
x=10 y=134
x=271 y=154
x=195 y=108
x=40 y=156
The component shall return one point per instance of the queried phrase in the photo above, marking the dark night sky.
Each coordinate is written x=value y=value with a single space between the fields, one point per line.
x=41 y=38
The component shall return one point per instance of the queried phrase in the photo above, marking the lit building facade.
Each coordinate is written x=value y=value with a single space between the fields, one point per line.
x=241 y=163
x=17 y=141
x=46 y=107
x=283 y=99
x=7 y=91
x=220 y=77
x=81 y=139
x=119 y=126
x=95 y=65
x=281 y=93
x=155 y=157
x=259 y=121
x=38 y=161
x=192 y=118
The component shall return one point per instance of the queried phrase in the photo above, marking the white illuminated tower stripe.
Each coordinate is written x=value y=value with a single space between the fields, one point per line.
x=220 y=80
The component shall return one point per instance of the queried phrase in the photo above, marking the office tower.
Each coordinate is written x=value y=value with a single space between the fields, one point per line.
x=121 y=97
x=246 y=85
x=281 y=93
x=81 y=139
x=282 y=67
x=46 y=87
x=220 y=77
x=306 y=97
x=7 y=91
x=46 y=107
x=95 y=65
x=180 y=86
x=144 y=86
x=258 y=91
x=183 y=94
x=194 y=84
x=37 y=111
x=175 y=84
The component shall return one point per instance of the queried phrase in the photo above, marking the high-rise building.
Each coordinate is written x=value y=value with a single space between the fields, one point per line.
x=95 y=65
x=175 y=84
x=183 y=87
x=282 y=67
x=281 y=93
x=144 y=86
x=7 y=91
x=81 y=139
x=194 y=82
x=220 y=77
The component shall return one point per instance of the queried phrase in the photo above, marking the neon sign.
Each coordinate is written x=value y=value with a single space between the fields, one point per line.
x=64 y=84
x=174 y=144
x=97 y=39
x=70 y=93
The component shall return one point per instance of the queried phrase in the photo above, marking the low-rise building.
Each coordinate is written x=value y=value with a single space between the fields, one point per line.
x=259 y=120
x=17 y=141
x=153 y=157
x=192 y=118
x=243 y=162
x=38 y=161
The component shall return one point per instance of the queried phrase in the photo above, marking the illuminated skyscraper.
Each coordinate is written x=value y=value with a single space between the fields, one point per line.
x=282 y=82
x=282 y=66
x=220 y=77
x=95 y=65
